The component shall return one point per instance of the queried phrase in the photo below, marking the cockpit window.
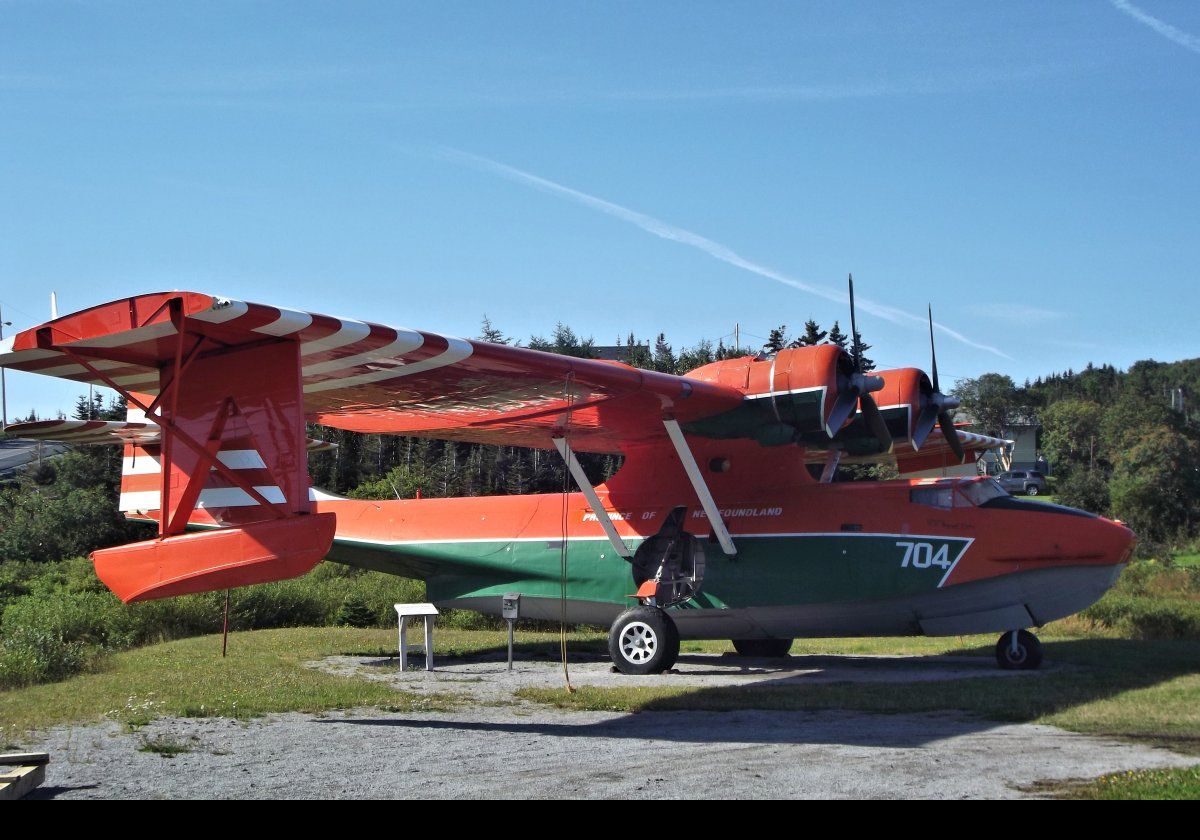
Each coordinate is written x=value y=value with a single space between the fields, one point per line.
x=978 y=492
x=938 y=497
x=948 y=496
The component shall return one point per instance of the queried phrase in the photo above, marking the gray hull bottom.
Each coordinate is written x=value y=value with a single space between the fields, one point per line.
x=1011 y=602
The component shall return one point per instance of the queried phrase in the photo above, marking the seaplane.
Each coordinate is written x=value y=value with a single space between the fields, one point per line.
x=724 y=521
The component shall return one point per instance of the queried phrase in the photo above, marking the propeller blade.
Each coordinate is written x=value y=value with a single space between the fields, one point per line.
x=925 y=423
x=854 y=330
x=933 y=351
x=843 y=410
x=874 y=420
x=951 y=435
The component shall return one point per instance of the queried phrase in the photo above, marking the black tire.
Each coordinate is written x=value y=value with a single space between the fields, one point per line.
x=763 y=648
x=1026 y=657
x=643 y=640
x=1031 y=490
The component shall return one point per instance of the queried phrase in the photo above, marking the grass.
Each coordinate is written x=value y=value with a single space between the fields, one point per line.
x=1142 y=690
x=263 y=674
x=166 y=746
x=1186 y=559
x=1179 y=783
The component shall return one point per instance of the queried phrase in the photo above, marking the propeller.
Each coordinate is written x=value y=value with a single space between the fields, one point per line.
x=935 y=409
x=854 y=393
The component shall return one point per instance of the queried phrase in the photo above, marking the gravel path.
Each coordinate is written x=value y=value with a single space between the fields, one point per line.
x=502 y=748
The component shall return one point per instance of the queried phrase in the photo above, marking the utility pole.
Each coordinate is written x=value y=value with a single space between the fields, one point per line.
x=737 y=332
x=3 y=395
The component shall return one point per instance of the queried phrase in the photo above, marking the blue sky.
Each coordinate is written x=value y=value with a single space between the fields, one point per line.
x=1029 y=168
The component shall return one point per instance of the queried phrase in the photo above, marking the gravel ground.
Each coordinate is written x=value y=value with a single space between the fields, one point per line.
x=503 y=748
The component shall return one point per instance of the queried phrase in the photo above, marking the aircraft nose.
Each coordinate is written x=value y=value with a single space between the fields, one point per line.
x=1114 y=541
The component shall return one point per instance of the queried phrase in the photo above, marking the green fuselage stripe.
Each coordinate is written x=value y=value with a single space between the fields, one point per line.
x=770 y=570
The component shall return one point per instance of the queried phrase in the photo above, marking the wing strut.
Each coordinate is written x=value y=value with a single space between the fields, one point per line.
x=593 y=500
x=832 y=459
x=706 y=500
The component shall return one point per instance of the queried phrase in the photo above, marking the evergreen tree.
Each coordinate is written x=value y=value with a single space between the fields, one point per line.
x=777 y=340
x=489 y=333
x=837 y=337
x=664 y=356
x=638 y=355
x=813 y=335
x=858 y=352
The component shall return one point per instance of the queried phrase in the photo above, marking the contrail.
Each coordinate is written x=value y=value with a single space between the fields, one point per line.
x=665 y=230
x=1183 y=39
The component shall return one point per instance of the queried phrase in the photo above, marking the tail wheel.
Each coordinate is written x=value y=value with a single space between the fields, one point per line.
x=643 y=640
x=763 y=648
x=1019 y=650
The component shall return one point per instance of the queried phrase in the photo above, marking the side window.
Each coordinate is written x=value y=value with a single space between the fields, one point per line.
x=938 y=497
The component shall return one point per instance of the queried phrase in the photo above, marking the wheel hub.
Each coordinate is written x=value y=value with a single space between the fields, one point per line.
x=638 y=642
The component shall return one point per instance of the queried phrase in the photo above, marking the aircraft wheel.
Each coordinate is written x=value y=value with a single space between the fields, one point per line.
x=763 y=648
x=1026 y=655
x=643 y=640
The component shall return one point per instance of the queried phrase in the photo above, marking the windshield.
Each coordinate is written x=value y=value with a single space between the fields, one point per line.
x=978 y=492
x=948 y=496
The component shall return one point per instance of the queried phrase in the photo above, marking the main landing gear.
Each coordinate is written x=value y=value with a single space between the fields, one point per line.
x=1019 y=650
x=643 y=640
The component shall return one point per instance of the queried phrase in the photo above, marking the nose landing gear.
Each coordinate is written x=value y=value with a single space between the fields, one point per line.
x=1019 y=650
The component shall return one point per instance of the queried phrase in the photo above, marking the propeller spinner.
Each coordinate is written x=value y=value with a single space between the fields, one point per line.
x=936 y=408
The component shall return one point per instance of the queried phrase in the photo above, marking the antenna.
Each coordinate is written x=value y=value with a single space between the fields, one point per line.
x=53 y=306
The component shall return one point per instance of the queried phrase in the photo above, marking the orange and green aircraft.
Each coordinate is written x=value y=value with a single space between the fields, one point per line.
x=723 y=522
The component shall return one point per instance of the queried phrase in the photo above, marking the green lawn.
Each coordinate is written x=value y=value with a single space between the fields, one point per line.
x=1186 y=559
x=263 y=674
x=1102 y=684
x=1137 y=784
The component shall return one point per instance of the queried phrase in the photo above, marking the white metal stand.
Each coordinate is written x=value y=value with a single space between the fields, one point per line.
x=406 y=611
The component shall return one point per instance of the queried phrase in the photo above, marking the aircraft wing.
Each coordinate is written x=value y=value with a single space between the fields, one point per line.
x=368 y=377
x=107 y=432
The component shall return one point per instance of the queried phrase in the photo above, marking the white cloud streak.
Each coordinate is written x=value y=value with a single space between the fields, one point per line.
x=716 y=250
x=1172 y=33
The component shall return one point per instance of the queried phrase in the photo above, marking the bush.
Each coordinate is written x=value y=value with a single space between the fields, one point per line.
x=57 y=618
x=354 y=612
x=1152 y=601
x=1084 y=489
x=1147 y=618
x=29 y=655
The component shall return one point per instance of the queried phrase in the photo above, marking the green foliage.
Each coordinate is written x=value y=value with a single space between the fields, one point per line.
x=1084 y=489
x=1155 y=485
x=58 y=618
x=47 y=524
x=991 y=400
x=1071 y=434
x=1152 y=601
x=354 y=612
x=813 y=335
